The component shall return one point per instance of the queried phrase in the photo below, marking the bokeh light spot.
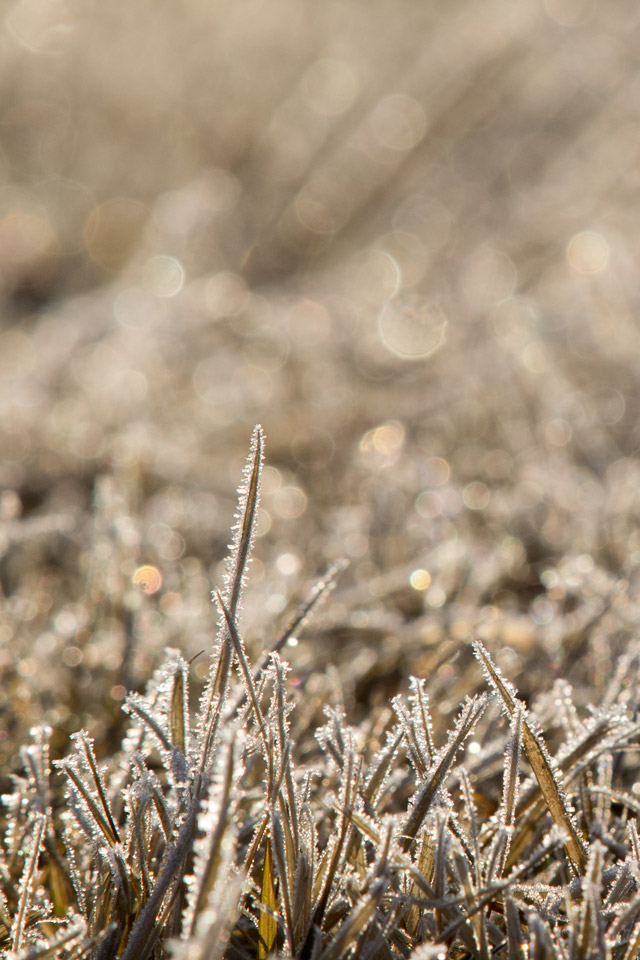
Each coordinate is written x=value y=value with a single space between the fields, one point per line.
x=436 y=597
x=420 y=579
x=163 y=276
x=376 y=275
x=276 y=603
x=410 y=327
x=476 y=496
x=72 y=656
x=149 y=578
x=436 y=471
x=387 y=439
x=588 y=252
x=288 y=564
x=289 y=502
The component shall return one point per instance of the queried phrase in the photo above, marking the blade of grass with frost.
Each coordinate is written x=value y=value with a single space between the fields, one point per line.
x=36 y=761
x=302 y=890
x=472 y=817
x=466 y=721
x=630 y=915
x=137 y=705
x=98 y=820
x=486 y=896
x=420 y=711
x=179 y=709
x=540 y=939
x=366 y=827
x=254 y=846
x=286 y=891
x=215 y=824
x=510 y=786
x=267 y=924
x=461 y=867
x=602 y=735
x=238 y=646
x=350 y=784
x=239 y=553
x=541 y=764
x=87 y=748
x=139 y=944
x=605 y=783
x=419 y=762
x=633 y=948
x=53 y=950
x=512 y=768
x=319 y=592
x=380 y=767
x=590 y=939
x=291 y=815
x=151 y=784
x=356 y=922
x=26 y=881
x=515 y=937
x=5 y=915
x=244 y=531
x=215 y=928
x=472 y=882
x=137 y=810
x=421 y=875
x=621 y=889
x=634 y=840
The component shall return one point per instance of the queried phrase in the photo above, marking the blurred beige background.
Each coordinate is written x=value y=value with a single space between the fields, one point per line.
x=401 y=235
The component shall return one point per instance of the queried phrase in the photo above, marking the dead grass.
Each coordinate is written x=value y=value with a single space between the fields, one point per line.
x=238 y=213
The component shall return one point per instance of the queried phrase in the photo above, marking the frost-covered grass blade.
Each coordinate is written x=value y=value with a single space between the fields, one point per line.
x=541 y=764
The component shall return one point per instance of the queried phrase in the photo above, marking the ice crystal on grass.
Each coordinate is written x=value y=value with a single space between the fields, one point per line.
x=244 y=832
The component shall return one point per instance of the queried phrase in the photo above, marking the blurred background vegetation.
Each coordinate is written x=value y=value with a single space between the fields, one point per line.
x=401 y=235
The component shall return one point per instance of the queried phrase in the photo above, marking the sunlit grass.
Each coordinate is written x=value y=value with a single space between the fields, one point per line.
x=227 y=832
x=402 y=237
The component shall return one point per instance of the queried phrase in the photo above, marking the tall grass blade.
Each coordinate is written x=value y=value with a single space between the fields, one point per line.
x=239 y=553
x=27 y=880
x=238 y=647
x=140 y=942
x=215 y=823
x=353 y=926
x=54 y=949
x=547 y=777
x=179 y=710
x=267 y=924
x=319 y=593
x=469 y=716
x=515 y=936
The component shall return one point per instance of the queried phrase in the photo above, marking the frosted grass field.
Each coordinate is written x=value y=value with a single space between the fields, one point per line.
x=402 y=238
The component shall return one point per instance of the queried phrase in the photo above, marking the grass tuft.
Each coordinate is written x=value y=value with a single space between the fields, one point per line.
x=232 y=828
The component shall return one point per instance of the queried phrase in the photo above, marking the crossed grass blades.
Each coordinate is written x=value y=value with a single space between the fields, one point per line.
x=239 y=834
